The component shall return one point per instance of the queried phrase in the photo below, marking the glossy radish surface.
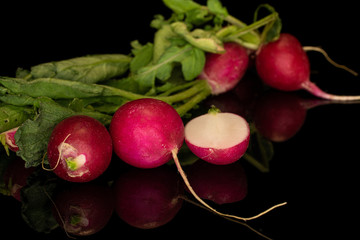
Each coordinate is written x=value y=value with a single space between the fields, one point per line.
x=218 y=138
x=145 y=132
x=224 y=71
x=284 y=65
x=79 y=149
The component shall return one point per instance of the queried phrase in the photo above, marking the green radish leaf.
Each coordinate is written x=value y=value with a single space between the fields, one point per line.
x=87 y=69
x=217 y=8
x=142 y=55
x=193 y=64
x=181 y=6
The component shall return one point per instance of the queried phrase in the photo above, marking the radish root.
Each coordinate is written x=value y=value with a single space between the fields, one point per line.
x=183 y=175
x=58 y=160
x=332 y=62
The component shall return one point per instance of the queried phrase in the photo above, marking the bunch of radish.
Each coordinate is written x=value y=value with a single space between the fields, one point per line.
x=149 y=132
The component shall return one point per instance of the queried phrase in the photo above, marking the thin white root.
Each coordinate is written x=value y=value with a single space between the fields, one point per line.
x=183 y=175
x=58 y=160
x=332 y=62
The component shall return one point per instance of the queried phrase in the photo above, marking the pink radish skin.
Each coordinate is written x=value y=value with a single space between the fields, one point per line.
x=145 y=132
x=284 y=65
x=218 y=138
x=10 y=139
x=224 y=71
x=79 y=149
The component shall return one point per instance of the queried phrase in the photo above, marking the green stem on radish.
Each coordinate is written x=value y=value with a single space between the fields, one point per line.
x=177 y=89
x=193 y=101
x=186 y=181
x=316 y=91
x=181 y=96
x=255 y=25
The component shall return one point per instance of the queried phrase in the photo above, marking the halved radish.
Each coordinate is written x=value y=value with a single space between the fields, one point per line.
x=218 y=138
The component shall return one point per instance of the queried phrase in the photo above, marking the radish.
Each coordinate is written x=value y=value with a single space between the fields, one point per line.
x=284 y=65
x=79 y=149
x=147 y=132
x=224 y=71
x=8 y=140
x=218 y=138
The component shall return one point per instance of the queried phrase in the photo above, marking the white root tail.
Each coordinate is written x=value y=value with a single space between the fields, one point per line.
x=183 y=175
x=332 y=62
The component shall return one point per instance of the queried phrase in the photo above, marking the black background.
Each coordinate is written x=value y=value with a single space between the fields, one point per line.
x=316 y=172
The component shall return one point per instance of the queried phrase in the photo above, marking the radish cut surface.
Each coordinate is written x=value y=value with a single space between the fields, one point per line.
x=219 y=138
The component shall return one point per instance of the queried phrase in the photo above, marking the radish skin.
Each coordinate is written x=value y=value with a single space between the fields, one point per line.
x=223 y=71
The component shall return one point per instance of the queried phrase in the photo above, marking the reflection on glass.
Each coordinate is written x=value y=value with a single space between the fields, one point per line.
x=148 y=198
x=83 y=209
x=218 y=183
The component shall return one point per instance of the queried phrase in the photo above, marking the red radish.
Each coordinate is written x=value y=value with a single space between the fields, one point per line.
x=218 y=138
x=284 y=65
x=79 y=149
x=148 y=198
x=9 y=137
x=147 y=132
x=224 y=71
x=83 y=210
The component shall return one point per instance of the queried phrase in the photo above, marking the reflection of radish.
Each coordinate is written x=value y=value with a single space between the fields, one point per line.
x=148 y=198
x=278 y=116
x=83 y=210
x=224 y=71
x=15 y=177
x=218 y=138
x=79 y=149
x=220 y=184
x=284 y=65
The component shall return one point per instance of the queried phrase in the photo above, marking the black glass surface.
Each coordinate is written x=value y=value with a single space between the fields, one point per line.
x=313 y=166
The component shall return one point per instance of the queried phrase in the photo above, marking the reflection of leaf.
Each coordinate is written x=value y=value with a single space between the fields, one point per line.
x=36 y=207
x=260 y=152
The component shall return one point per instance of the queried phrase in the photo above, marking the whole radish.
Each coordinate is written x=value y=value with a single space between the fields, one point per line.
x=79 y=149
x=284 y=65
x=224 y=71
x=147 y=133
